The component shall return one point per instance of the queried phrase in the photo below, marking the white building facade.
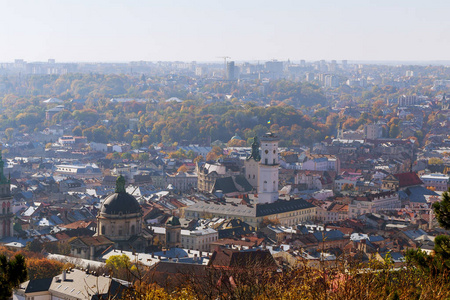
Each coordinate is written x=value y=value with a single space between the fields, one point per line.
x=268 y=169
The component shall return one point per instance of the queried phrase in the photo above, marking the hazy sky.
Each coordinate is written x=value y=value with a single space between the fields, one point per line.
x=107 y=30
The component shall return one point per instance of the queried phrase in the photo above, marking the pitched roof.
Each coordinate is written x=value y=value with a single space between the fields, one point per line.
x=38 y=285
x=328 y=235
x=95 y=240
x=231 y=258
x=281 y=206
x=79 y=224
x=408 y=179
x=228 y=184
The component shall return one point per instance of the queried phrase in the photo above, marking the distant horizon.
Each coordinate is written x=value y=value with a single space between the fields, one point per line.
x=152 y=30
x=253 y=61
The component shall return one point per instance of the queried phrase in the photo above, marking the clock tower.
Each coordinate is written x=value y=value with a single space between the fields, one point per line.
x=268 y=169
x=6 y=201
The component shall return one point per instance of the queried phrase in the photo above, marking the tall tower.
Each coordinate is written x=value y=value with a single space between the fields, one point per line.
x=251 y=165
x=230 y=70
x=268 y=169
x=6 y=201
x=173 y=232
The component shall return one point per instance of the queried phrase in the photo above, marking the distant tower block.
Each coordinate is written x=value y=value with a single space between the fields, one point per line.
x=268 y=169
x=230 y=70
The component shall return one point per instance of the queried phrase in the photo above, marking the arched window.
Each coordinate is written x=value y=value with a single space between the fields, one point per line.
x=132 y=229
x=103 y=229
x=265 y=186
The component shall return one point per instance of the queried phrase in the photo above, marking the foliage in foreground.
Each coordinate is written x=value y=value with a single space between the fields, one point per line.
x=12 y=273
x=307 y=283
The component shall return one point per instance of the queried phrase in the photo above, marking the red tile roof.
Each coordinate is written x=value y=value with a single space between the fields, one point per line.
x=80 y=224
x=228 y=258
x=408 y=179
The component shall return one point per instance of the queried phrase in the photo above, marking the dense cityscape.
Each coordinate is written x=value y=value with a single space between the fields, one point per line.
x=186 y=175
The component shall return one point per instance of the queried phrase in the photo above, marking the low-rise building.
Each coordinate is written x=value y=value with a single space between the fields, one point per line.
x=182 y=181
x=287 y=212
x=437 y=182
x=71 y=285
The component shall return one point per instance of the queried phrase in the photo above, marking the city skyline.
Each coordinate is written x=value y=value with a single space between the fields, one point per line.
x=118 y=31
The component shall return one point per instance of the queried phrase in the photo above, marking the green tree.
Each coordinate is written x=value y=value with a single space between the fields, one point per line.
x=440 y=262
x=126 y=155
x=12 y=273
x=77 y=131
x=144 y=157
x=120 y=266
x=442 y=210
x=34 y=246
x=394 y=131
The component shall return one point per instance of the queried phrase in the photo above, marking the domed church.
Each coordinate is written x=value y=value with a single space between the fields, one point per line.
x=120 y=219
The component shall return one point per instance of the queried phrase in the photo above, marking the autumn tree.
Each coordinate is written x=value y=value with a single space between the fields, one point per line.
x=43 y=268
x=9 y=133
x=347 y=187
x=435 y=161
x=198 y=159
x=269 y=222
x=182 y=168
x=214 y=154
x=120 y=266
x=236 y=143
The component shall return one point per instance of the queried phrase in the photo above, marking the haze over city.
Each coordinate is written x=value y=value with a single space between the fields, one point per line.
x=74 y=31
x=224 y=150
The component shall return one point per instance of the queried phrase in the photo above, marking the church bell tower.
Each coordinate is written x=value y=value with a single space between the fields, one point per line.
x=6 y=201
x=268 y=169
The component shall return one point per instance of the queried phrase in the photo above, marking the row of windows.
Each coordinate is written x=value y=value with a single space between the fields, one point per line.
x=103 y=231
x=191 y=241
x=6 y=207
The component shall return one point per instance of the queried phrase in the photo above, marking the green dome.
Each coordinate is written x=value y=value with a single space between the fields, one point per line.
x=236 y=137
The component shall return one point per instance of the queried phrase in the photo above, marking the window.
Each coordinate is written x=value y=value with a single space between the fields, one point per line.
x=103 y=229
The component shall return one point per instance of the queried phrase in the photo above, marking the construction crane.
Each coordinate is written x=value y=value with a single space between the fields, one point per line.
x=225 y=65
